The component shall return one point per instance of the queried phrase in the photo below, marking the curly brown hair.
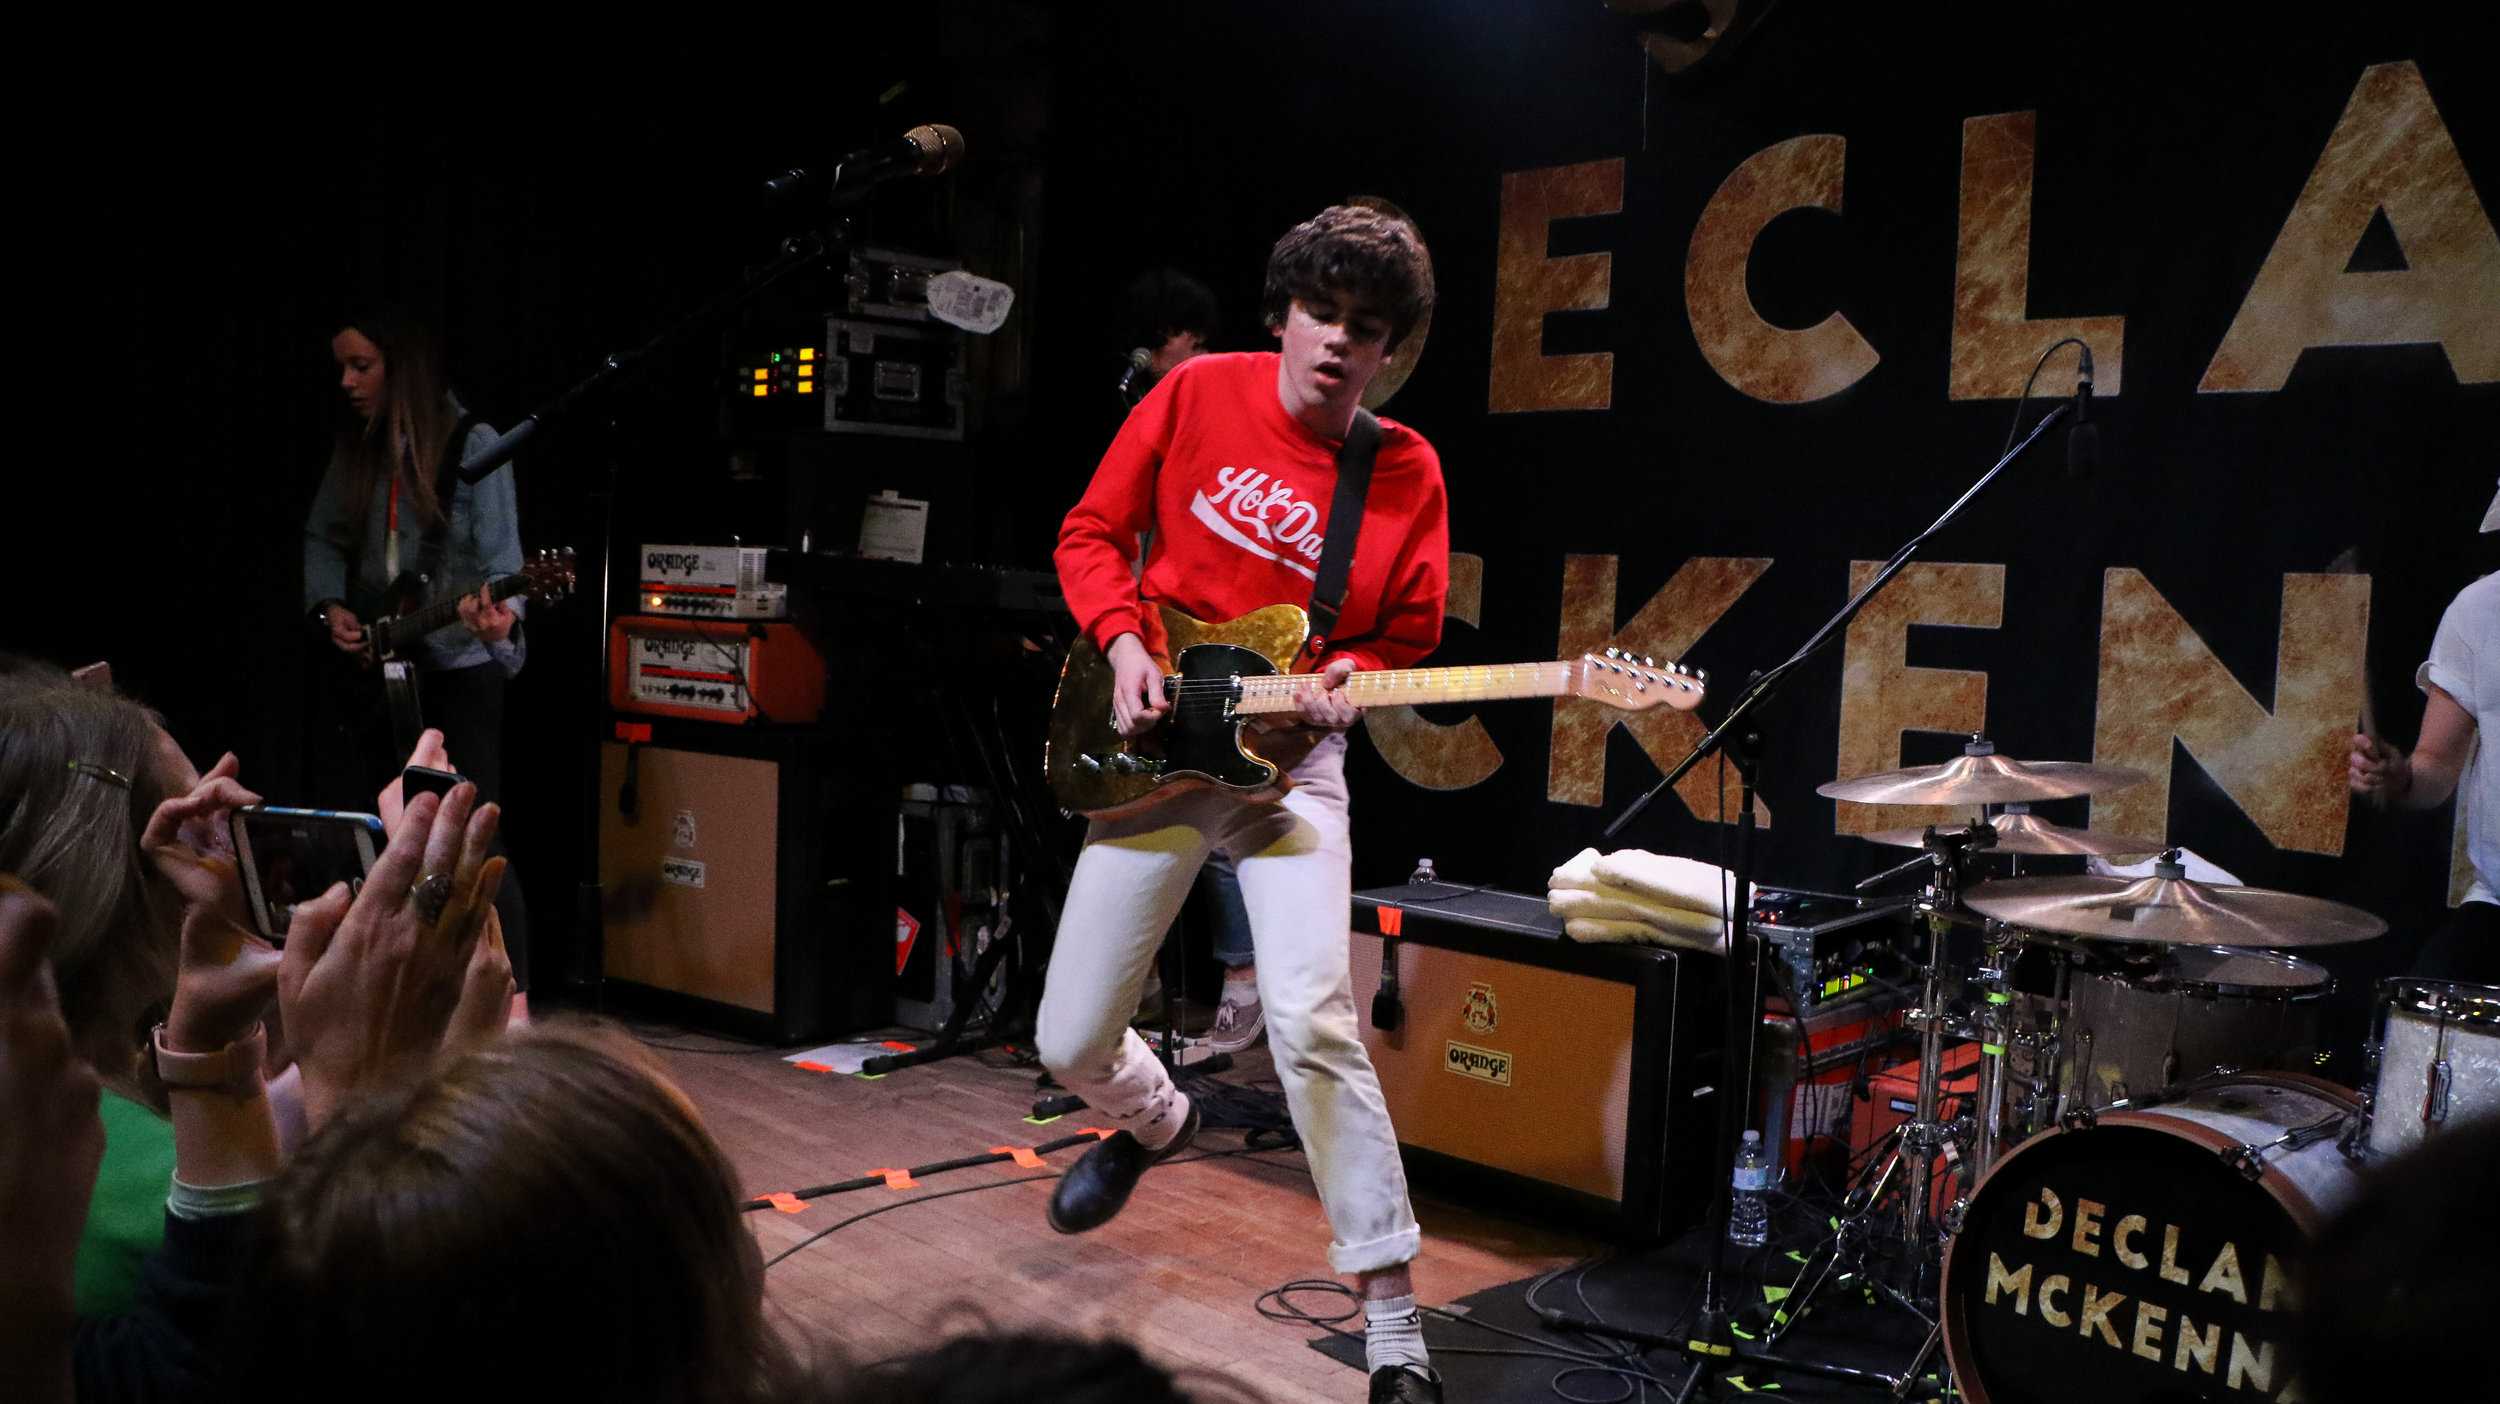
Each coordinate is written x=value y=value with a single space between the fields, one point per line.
x=1357 y=252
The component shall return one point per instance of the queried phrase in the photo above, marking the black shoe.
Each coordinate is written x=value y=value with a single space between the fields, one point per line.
x=1405 y=1384
x=1095 y=1188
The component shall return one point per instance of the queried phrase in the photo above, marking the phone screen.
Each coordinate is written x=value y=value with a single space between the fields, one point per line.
x=294 y=855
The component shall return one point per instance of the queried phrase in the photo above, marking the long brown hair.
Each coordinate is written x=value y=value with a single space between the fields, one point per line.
x=409 y=425
x=79 y=776
x=547 y=1211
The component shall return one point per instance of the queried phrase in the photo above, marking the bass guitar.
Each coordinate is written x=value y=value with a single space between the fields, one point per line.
x=1225 y=676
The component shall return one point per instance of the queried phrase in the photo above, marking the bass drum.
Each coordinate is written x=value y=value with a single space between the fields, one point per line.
x=2148 y=1255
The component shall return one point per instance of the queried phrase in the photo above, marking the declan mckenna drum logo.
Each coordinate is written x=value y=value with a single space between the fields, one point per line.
x=2162 y=1296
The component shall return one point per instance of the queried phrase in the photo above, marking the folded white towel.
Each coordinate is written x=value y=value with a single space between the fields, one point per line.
x=1578 y=875
x=1673 y=882
x=1692 y=932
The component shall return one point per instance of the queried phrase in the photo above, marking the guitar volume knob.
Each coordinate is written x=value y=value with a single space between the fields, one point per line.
x=1088 y=765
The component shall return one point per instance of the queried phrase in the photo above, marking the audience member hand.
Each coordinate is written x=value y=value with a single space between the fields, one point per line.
x=485 y=991
x=489 y=619
x=190 y=843
x=223 y=985
x=48 y=1155
x=368 y=986
x=1137 y=700
x=429 y=753
x=2377 y=770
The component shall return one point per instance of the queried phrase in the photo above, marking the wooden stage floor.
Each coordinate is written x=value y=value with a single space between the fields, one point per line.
x=1178 y=1272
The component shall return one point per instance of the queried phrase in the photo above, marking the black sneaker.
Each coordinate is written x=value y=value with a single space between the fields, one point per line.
x=1406 y=1384
x=1098 y=1185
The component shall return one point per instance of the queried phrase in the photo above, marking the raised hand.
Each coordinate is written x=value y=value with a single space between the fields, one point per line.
x=189 y=843
x=2376 y=770
x=369 y=985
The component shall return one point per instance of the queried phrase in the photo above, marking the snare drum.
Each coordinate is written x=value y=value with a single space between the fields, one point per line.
x=2149 y=1254
x=2133 y=1029
x=2438 y=1061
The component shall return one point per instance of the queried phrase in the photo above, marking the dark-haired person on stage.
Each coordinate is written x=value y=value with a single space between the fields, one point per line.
x=386 y=508
x=1230 y=463
x=2460 y=685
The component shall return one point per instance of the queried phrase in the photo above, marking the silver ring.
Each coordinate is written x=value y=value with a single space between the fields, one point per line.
x=431 y=895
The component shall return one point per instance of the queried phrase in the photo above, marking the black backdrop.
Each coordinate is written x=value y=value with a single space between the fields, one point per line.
x=556 y=224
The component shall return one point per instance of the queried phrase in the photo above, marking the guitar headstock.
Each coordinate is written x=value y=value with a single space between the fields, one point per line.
x=1636 y=683
x=549 y=573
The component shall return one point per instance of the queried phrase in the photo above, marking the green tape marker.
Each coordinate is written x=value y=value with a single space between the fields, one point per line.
x=1994 y=1050
x=1994 y=998
x=1043 y=1120
x=1774 y=1294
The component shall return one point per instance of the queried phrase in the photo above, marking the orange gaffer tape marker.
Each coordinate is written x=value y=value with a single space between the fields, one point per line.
x=898 y=1046
x=812 y=1066
x=1024 y=1156
x=1392 y=919
x=786 y=1202
x=1099 y=1133
x=897 y=1179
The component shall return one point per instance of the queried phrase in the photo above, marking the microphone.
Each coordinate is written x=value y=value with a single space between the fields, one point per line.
x=932 y=149
x=2083 y=439
x=1138 y=360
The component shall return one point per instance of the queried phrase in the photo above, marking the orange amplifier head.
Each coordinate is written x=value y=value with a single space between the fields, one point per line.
x=719 y=670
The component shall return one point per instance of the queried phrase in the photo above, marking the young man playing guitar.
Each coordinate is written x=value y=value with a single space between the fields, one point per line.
x=1232 y=463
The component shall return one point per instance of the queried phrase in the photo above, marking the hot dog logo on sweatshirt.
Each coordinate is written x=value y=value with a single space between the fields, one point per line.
x=1263 y=517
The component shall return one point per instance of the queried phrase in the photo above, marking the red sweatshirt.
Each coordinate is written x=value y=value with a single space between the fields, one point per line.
x=1237 y=492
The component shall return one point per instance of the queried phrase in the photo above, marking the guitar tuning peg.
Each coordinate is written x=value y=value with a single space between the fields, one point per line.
x=1610 y=652
x=1648 y=662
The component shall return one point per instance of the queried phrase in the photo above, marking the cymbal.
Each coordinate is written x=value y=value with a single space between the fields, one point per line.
x=2029 y=834
x=1984 y=779
x=2171 y=910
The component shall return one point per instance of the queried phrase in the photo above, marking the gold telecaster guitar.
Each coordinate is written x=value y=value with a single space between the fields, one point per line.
x=1233 y=672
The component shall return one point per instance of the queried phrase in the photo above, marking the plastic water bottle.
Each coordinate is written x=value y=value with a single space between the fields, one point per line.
x=1423 y=872
x=1749 y=1208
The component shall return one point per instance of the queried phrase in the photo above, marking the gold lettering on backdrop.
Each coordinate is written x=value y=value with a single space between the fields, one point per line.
x=2148 y=1319
x=1881 y=696
x=2250 y=1369
x=1783 y=365
x=2124 y=1234
x=2280 y=1292
x=1995 y=339
x=1436 y=755
x=2390 y=154
x=2170 y=1269
x=2096 y=1310
x=2158 y=681
x=1528 y=285
x=2018 y=1283
x=2055 y=1316
x=2088 y=1214
x=2204 y=1350
x=2043 y=1217
x=2224 y=1275
x=1666 y=627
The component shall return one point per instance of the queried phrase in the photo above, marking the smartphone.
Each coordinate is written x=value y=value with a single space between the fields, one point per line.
x=426 y=780
x=294 y=855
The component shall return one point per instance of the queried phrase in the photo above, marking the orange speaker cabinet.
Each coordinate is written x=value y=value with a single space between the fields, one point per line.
x=1528 y=1072
x=741 y=884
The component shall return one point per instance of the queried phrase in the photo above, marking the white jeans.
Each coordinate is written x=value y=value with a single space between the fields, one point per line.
x=1296 y=878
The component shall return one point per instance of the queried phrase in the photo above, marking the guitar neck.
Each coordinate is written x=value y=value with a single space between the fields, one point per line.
x=408 y=628
x=1413 y=686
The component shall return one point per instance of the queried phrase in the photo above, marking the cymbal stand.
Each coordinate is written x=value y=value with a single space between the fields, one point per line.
x=1925 y=1135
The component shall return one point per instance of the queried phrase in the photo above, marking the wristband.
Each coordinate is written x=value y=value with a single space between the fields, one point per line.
x=233 y=1069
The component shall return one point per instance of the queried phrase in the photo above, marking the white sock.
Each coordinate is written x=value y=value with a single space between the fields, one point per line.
x=1157 y=1131
x=1393 y=1334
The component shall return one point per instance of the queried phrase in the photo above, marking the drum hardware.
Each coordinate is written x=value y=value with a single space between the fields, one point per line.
x=2249 y=1158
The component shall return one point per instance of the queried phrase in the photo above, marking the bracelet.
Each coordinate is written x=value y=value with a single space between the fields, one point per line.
x=233 y=1069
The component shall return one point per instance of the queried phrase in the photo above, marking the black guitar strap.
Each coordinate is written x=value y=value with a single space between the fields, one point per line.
x=1345 y=522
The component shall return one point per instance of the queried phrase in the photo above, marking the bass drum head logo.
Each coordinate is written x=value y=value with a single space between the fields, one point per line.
x=1478 y=1011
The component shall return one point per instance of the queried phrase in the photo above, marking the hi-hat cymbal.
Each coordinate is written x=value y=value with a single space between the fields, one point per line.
x=2169 y=909
x=1984 y=779
x=2029 y=834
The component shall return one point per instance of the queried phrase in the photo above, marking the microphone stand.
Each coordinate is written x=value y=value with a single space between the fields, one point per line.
x=1711 y=1342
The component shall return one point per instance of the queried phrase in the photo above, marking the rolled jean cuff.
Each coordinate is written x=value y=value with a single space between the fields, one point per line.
x=1378 y=1254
